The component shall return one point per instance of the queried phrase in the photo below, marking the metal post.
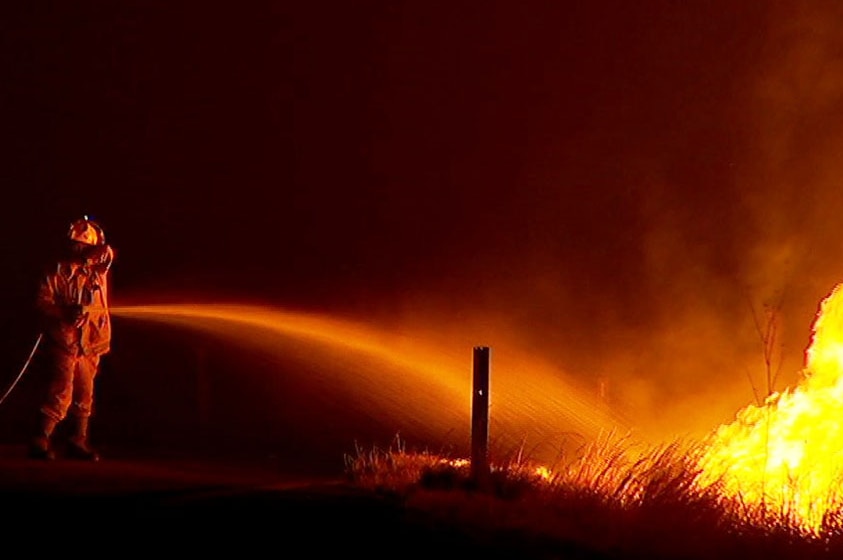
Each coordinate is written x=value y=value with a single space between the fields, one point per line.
x=480 y=415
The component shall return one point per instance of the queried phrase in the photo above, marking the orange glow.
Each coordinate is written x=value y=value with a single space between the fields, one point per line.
x=787 y=455
x=406 y=379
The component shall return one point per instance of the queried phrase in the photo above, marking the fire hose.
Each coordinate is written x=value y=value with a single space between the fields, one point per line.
x=23 y=369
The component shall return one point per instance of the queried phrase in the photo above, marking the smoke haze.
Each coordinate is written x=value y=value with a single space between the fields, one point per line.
x=626 y=191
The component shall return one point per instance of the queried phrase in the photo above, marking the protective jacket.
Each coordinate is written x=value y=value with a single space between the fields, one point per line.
x=73 y=301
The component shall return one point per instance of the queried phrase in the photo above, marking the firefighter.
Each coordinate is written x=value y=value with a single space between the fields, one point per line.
x=72 y=302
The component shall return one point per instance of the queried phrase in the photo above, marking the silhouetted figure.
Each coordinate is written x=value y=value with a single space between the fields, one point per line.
x=72 y=302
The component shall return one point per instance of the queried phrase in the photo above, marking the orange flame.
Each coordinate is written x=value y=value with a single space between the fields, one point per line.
x=787 y=455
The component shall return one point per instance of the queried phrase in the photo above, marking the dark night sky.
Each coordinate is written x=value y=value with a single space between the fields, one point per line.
x=611 y=180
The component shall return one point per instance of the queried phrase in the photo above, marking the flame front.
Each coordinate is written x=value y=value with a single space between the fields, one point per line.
x=787 y=455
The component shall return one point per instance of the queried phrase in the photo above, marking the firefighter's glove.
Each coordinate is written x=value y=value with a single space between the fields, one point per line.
x=101 y=256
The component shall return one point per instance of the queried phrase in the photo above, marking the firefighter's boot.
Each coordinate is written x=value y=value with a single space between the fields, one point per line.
x=78 y=446
x=41 y=446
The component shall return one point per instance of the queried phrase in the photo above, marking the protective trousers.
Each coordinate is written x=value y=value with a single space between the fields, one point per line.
x=71 y=386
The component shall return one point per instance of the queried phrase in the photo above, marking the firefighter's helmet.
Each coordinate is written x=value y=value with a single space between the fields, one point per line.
x=86 y=231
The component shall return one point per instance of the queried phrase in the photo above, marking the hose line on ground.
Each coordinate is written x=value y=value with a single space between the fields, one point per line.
x=24 y=368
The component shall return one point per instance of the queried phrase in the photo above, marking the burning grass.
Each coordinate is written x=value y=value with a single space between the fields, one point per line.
x=611 y=499
x=766 y=485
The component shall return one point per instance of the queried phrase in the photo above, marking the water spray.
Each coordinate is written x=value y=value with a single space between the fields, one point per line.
x=406 y=377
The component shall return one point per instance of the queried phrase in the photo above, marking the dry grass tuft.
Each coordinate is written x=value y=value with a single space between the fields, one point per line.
x=612 y=498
